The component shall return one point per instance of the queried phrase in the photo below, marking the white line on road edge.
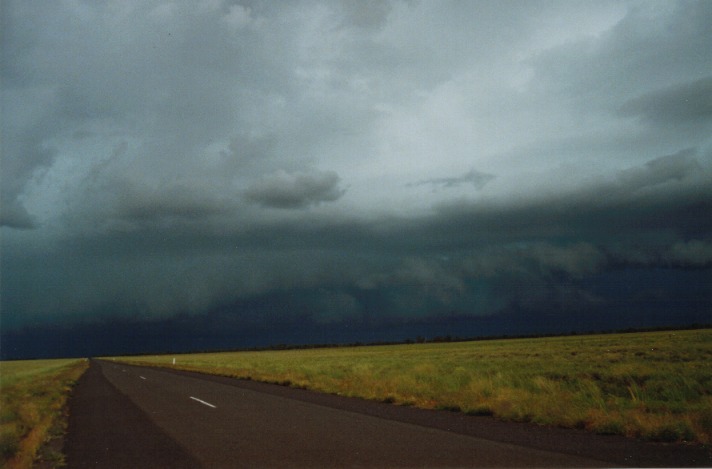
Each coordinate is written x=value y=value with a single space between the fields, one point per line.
x=203 y=402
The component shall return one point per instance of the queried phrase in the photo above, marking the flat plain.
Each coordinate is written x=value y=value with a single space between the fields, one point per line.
x=651 y=385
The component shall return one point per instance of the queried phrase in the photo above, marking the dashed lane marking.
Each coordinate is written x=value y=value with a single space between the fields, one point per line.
x=203 y=402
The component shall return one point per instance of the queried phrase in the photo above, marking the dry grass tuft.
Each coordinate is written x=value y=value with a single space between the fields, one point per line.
x=33 y=394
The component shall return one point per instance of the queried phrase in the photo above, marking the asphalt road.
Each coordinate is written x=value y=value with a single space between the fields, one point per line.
x=133 y=417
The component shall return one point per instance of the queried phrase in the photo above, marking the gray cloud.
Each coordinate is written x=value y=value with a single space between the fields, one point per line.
x=478 y=179
x=694 y=253
x=168 y=156
x=577 y=260
x=367 y=14
x=675 y=105
x=329 y=307
x=295 y=190
x=177 y=201
x=648 y=50
x=673 y=168
x=16 y=173
x=14 y=215
x=461 y=255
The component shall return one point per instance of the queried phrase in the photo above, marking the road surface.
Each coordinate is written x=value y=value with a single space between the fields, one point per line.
x=133 y=417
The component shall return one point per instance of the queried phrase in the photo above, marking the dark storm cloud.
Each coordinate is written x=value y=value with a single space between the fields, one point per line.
x=576 y=259
x=366 y=14
x=476 y=178
x=669 y=168
x=464 y=254
x=267 y=165
x=679 y=104
x=177 y=201
x=693 y=253
x=295 y=190
x=663 y=47
x=665 y=196
x=17 y=172
x=14 y=215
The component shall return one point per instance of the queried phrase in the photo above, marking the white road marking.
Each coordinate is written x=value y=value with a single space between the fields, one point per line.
x=203 y=402
x=142 y=377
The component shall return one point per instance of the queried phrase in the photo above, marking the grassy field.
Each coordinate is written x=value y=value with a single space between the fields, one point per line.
x=33 y=394
x=653 y=385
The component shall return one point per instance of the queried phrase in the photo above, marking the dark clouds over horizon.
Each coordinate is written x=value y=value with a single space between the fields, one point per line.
x=336 y=171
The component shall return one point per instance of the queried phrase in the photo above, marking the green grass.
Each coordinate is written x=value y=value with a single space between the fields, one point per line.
x=33 y=396
x=653 y=385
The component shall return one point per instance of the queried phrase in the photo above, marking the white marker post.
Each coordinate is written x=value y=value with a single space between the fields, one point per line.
x=174 y=360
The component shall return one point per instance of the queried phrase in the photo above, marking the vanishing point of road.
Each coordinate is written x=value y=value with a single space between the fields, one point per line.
x=135 y=417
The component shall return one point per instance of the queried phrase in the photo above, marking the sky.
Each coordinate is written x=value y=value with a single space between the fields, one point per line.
x=220 y=174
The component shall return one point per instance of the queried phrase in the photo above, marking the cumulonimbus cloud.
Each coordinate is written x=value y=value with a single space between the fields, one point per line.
x=172 y=159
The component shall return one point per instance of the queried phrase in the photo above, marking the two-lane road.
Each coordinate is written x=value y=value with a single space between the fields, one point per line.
x=126 y=416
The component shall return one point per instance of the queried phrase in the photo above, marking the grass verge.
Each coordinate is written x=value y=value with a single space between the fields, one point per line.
x=653 y=385
x=33 y=396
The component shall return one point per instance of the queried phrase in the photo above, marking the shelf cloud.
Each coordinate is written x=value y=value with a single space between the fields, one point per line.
x=247 y=173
